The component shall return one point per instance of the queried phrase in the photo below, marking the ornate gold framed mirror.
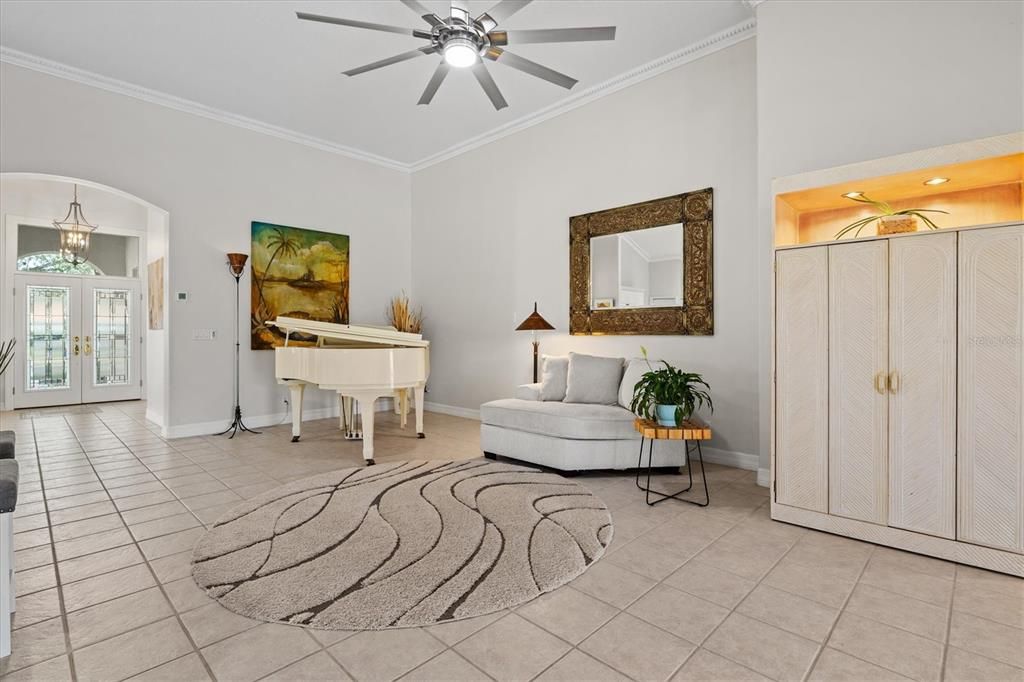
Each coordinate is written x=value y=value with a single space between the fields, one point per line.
x=643 y=268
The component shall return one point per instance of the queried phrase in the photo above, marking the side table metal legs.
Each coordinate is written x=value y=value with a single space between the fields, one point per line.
x=689 y=471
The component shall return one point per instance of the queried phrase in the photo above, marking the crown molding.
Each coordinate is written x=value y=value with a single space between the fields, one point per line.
x=692 y=52
x=71 y=73
x=702 y=48
x=752 y=4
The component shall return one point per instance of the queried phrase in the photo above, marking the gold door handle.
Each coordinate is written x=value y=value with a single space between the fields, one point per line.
x=880 y=383
x=88 y=346
x=893 y=382
x=76 y=345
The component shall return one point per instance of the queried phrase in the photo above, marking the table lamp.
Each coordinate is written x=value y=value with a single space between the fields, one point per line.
x=533 y=324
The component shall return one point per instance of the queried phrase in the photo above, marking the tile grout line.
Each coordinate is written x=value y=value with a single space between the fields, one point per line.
x=839 y=614
x=156 y=579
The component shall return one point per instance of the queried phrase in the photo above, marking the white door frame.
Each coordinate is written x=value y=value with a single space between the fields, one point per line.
x=11 y=317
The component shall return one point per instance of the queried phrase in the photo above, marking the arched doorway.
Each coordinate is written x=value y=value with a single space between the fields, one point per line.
x=88 y=333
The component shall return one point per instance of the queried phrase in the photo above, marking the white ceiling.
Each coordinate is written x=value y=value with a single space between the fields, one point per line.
x=255 y=59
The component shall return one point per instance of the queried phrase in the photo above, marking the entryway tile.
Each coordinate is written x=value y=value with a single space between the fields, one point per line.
x=638 y=649
x=385 y=654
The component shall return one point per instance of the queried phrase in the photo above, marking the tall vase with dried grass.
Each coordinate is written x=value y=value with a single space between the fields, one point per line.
x=6 y=355
x=405 y=318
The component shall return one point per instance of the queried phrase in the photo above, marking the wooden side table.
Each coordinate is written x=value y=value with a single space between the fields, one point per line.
x=690 y=433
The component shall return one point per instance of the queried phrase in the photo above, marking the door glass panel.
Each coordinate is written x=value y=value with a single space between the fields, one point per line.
x=111 y=348
x=48 y=358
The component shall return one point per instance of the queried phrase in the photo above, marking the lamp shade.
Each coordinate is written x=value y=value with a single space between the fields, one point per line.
x=534 y=322
x=236 y=261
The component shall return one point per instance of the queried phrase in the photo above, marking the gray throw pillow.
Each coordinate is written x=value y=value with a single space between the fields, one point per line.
x=593 y=379
x=554 y=377
x=635 y=369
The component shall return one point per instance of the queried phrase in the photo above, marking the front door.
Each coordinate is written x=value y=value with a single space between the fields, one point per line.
x=79 y=340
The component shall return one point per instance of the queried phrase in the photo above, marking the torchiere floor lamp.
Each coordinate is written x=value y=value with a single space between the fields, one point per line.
x=534 y=323
x=236 y=265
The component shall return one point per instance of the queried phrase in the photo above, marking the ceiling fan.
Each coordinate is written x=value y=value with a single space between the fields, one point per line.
x=465 y=42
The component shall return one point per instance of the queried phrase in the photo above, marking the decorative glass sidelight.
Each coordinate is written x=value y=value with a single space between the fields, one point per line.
x=49 y=318
x=111 y=348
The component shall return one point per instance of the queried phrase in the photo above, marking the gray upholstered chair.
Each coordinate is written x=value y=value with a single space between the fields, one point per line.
x=8 y=501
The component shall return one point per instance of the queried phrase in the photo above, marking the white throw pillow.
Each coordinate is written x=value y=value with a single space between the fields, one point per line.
x=593 y=379
x=554 y=377
x=635 y=369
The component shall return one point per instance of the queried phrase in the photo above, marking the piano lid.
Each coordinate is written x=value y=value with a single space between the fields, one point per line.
x=362 y=334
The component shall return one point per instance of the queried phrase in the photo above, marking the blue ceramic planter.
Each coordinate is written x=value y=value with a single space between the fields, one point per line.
x=666 y=414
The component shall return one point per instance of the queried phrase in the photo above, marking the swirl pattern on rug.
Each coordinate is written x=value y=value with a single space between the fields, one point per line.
x=398 y=545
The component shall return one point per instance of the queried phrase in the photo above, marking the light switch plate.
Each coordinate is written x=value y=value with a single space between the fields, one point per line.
x=204 y=334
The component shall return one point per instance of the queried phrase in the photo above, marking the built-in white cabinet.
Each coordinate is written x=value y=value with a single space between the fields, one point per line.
x=990 y=451
x=899 y=392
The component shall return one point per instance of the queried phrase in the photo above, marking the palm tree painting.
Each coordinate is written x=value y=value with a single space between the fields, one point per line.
x=296 y=273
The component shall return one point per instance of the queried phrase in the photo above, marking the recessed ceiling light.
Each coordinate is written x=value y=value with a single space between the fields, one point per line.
x=853 y=195
x=936 y=181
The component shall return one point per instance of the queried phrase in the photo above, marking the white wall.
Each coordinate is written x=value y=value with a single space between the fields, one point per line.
x=480 y=264
x=852 y=80
x=213 y=179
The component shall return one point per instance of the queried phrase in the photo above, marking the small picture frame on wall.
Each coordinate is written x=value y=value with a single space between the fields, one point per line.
x=604 y=302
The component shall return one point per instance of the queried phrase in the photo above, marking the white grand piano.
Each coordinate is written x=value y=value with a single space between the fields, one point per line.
x=361 y=363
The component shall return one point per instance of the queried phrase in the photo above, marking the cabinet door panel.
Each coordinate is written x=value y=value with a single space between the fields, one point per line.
x=801 y=378
x=990 y=431
x=858 y=359
x=922 y=401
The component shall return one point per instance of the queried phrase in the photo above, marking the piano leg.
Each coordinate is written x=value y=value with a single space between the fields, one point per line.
x=366 y=411
x=297 y=391
x=418 y=396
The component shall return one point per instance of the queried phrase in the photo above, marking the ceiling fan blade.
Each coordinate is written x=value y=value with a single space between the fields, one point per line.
x=501 y=12
x=363 y=24
x=552 y=35
x=423 y=12
x=411 y=54
x=435 y=82
x=533 y=68
x=483 y=77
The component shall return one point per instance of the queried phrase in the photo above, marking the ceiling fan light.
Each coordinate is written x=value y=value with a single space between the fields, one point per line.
x=460 y=52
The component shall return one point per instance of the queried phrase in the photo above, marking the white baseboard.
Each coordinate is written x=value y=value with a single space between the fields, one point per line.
x=764 y=477
x=730 y=458
x=155 y=417
x=260 y=421
x=740 y=460
x=452 y=410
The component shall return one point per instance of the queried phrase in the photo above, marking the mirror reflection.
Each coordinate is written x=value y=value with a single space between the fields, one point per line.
x=637 y=269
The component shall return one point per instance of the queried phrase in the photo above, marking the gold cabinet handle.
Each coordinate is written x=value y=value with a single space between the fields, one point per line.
x=76 y=345
x=880 y=383
x=88 y=346
x=893 y=382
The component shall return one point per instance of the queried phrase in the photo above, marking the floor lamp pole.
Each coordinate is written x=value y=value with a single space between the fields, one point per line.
x=236 y=264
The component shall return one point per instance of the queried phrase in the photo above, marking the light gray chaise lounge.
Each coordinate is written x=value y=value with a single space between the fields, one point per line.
x=571 y=436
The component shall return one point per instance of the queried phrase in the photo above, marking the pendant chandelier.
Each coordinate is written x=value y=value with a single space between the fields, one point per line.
x=75 y=231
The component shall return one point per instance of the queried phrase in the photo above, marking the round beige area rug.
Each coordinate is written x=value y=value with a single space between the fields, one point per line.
x=398 y=545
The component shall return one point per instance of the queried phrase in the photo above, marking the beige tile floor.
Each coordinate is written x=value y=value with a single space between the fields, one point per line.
x=109 y=512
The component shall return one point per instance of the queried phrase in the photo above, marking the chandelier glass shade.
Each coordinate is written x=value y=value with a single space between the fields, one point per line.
x=75 y=232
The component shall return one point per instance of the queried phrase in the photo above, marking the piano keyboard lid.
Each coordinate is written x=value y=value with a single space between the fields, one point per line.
x=350 y=333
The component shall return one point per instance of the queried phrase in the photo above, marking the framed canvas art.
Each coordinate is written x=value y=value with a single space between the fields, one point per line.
x=296 y=273
x=155 y=272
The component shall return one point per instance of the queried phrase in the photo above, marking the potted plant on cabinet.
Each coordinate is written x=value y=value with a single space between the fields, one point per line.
x=890 y=221
x=669 y=395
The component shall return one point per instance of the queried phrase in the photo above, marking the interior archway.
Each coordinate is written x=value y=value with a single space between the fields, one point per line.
x=36 y=198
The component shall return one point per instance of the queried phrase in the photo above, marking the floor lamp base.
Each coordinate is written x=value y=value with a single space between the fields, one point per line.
x=236 y=425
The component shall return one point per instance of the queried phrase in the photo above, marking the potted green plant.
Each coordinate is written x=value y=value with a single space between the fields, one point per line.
x=890 y=221
x=669 y=395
